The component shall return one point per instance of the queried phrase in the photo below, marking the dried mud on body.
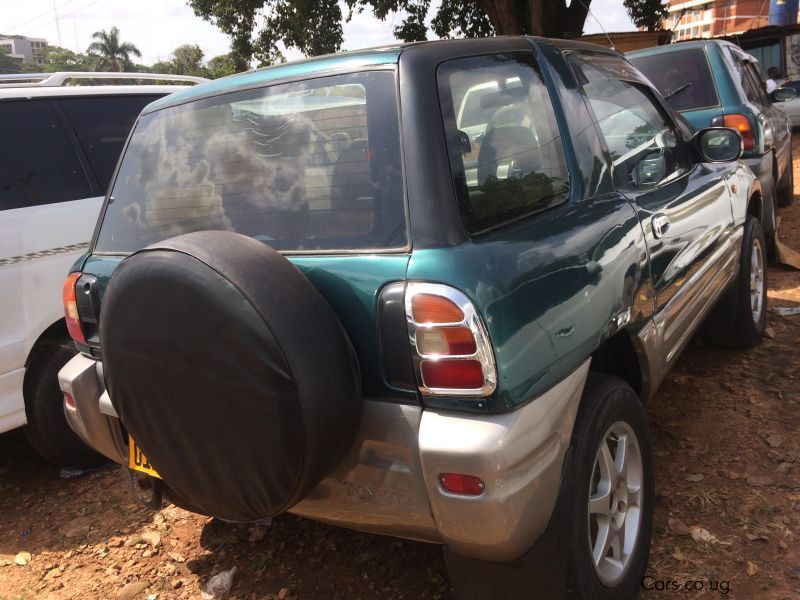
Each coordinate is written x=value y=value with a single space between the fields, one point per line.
x=727 y=524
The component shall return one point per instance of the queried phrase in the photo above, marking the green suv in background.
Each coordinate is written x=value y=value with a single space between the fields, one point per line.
x=715 y=83
x=422 y=291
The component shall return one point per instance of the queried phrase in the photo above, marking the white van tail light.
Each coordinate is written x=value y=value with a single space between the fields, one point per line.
x=449 y=342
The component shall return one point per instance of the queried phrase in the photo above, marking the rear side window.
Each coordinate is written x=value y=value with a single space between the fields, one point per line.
x=683 y=77
x=307 y=166
x=505 y=149
x=102 y=126
x=38 y=164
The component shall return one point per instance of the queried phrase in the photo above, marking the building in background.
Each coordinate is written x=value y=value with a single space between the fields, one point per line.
x=694 y=19
x=26 y=49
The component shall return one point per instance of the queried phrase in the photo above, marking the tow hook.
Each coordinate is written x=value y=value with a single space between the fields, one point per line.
x=145 y=490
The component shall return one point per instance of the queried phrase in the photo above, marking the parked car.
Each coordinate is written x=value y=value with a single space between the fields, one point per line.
x=712 y=83
x=296 y=300
x=60 y=145
x=792 y=107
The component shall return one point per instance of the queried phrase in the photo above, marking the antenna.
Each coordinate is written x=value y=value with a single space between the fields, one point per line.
x=610 y=43
x=58 y=27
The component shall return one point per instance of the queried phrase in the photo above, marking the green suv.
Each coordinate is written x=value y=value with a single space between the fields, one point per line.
x=422 y=291
x=713 y=83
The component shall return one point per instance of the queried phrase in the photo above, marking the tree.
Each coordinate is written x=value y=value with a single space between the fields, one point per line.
x=9 y=64
x=61 y=59
x=257 y=26
x=648 y=14
x=188 y=60
x=221 y=66
x=111 y=54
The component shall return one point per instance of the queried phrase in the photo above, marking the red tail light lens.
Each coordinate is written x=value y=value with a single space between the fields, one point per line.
x=452 y=374
x=449 y=342
x=466 y=485
x=742 y=124
x=69 y=401
x=71 y=310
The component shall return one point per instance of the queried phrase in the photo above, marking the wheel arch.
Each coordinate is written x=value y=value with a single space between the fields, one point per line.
x=618 y=356
x=53 y=334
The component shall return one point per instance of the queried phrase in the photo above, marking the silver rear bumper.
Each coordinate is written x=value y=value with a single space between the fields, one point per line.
x=389 y=481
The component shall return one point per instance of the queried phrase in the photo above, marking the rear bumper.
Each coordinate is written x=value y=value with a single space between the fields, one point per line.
x=389 y=481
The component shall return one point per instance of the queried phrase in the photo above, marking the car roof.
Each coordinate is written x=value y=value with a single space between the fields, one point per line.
x=676 y=47
x=87 y=90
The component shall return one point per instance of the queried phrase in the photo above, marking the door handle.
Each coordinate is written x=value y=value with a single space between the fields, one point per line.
x=660 y=224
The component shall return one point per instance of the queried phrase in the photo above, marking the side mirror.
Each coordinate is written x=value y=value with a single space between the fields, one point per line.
x=782 y=94
x=718 y=144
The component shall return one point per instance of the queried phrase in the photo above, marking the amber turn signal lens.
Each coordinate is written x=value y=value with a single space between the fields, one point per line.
x=71 y=309
x=452 y=374
x=456 y=483
x=427 y=308
x=741 y=124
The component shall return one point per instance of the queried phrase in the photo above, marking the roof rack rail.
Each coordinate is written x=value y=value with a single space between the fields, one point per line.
x=64 y=77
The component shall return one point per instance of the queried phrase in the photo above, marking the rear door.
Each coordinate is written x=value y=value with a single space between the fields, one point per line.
x=774 y=123
x=684 y=207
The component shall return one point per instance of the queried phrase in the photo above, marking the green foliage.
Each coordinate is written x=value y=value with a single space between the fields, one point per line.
x=61 y=59
x=109 y=53
x=221 y=66
x=649 y=14
x=257 y=27
x=9 y=64
x=188 y=60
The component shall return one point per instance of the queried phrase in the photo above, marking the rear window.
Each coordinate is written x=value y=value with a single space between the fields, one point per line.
x=683 y=78
x=103 y=125
x=306 y=166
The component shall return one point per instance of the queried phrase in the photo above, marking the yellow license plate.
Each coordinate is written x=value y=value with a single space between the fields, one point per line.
x=138 y=461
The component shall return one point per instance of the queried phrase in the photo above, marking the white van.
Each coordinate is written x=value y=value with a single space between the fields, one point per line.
x=59 y=145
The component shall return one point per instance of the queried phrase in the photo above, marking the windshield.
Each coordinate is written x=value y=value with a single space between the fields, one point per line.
x=683 y=77
x=313 y=165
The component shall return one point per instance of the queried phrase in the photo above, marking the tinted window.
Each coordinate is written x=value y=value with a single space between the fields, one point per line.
x=505 y=148
x=37 y=162
x=644 y=146
x=683 y=77
x=313 y=165
x=103 y=125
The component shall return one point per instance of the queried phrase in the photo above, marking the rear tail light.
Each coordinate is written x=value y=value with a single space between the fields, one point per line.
x=740 y=123
x=449 y=342
x=71 y=310
x=69 y=401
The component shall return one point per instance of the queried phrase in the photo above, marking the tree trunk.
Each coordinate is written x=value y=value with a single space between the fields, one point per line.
x=504 y=17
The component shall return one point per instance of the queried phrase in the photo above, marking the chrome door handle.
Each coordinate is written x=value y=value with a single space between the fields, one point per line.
x=660 y=224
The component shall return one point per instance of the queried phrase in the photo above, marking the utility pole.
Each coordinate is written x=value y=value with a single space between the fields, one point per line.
x=58 y=27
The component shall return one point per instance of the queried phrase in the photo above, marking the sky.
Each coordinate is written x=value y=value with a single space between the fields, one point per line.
x=156 y=27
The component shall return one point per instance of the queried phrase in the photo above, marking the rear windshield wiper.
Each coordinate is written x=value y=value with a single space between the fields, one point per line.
x=677 y=90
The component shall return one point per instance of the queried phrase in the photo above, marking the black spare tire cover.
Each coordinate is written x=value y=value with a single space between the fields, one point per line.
x=231 y=372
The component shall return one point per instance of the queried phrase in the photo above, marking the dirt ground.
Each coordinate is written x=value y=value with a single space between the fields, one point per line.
x=727 y=520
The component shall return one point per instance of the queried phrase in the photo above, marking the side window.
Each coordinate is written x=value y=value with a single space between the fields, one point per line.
x=759 y=88
x=102 y=126
x=37 y=162
x=644 y=146
x=505 y=148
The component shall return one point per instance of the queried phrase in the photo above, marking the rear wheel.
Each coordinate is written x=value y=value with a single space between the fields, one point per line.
x=611 y=492
x=739 y=320
x=47 y=430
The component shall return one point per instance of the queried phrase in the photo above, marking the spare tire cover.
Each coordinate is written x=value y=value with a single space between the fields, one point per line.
x=231 y=372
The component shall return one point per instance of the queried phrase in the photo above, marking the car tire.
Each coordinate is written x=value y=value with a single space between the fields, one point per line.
x=47 y=430
x=785 y=187
x=610 y=492
x=739 y=319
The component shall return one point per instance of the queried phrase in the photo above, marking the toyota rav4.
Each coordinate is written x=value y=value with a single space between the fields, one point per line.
x=422 y=291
